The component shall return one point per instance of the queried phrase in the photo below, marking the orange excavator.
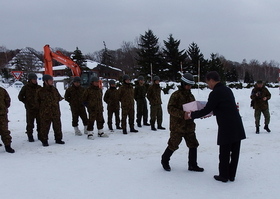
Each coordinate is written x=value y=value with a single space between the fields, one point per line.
x=75 y=68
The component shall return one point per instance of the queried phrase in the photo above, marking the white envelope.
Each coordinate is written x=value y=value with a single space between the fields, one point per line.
x=195 y=106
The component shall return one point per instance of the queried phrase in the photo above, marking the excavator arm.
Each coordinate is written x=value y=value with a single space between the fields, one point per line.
x=58 y=56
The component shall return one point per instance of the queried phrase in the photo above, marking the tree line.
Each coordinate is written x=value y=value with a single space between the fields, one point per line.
x=145 y=56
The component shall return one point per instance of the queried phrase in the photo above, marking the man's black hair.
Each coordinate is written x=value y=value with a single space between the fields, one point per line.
x=213 y=75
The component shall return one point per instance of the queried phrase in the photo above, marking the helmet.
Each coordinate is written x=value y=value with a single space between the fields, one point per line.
x=111 y=82
x=77 y=79
x=155 y=78
x=32 y=76
x=126 y=77
x=47 y=77
x=94 y=79
x=140 y=78
x=187 y=79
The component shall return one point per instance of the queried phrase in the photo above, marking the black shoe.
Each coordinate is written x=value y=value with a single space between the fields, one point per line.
x=133 y=130
x=220 y=178
x=124 y=131
x=267 y=129
x=161 y=128
x=45 y=143
x=147 y=124
x=196 y=168
x=9 y=149
x=231 y=179
x=0 y=144
x=30 y=138
x=139 y=125
x=118 y=127
x=59 y=142
x=257 y=130
x=153 y=128
x=165 y=165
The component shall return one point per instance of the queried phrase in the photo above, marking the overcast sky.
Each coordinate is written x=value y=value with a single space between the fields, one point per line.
x=236 y=29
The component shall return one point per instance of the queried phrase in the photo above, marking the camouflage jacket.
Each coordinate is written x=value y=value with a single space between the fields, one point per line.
x=5 y=101
x=74 y=95
x=126 y=96
x=257 y=96
x=140 y=92
x=27 y=95
x=175 y=109
x=111 y=97
x=93 y=99
x=48 y=99
x=154 y=94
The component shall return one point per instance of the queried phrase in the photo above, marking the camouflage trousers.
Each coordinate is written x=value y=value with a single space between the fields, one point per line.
x=98 y=117
x=45 y=128
x=176 y=138
x=156 y=114
x=142 y=111
x=130 y=114
x=76 y=113
x=4 y=132
x=110 y=117
x=266 y=115
x=31 y=116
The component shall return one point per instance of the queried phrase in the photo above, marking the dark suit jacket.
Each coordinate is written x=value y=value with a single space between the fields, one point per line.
x=221 y=101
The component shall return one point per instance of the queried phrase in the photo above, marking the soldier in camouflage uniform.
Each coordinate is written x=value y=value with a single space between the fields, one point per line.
x=181 y=128
x=154 y=96
x=113 y=105
x=73 y=95
x=93 y=99
x=260 y=96
x=27 y=96
x=140 y=93
x=48 y=99
x=5 y=102
x=126 y=97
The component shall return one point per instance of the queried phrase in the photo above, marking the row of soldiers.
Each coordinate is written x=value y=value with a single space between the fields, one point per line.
x=42 y=106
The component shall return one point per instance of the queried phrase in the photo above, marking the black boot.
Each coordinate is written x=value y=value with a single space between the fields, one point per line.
x=9 y=149
x=30 y=138
x=153 y=128
x=139 y=125
x=146 y=124
x=257 y=130
x=165 y=159
x=110 y=127
x=133 y=130
x=266 y=128
x=59 y=142
x=118 y=127
x=45 y=143
x=124 y=131
x=161 y=127
x=0 y=144
x=193 y=161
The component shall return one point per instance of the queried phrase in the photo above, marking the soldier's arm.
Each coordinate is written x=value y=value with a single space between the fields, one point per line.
x=22 y=94
x=173 y=109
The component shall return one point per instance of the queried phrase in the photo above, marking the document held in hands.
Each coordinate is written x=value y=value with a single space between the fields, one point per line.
x=195 y=106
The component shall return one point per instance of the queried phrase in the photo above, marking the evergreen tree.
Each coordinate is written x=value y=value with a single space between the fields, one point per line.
x=196 y=59
x=231 y=75
x=79 y=58
x=215 y=64
x=173 y=57
x=107 y=58
x=148 y=54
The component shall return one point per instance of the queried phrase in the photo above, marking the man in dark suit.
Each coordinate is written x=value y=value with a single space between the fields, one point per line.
x=230 y=128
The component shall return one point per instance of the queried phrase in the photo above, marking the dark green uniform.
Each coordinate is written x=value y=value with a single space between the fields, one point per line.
x=179 y=127
x=48 y=99
x=93 y=99
x=126 y=97
x=27 y=96
x=154 y=97
x=111 y=97
x=140 y=93
x=260 y=105
x=74 y=95
x=5 y=102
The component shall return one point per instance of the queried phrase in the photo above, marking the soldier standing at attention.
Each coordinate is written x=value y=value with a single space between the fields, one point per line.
x=93 y=99
x=5 y=102
x=48 y=99
x=181 y=128
x=113 y=105
x=27 y=96
x=126 y=97
x=73 y=96
x=140 y=92
x=154 y=96
x=260 y=96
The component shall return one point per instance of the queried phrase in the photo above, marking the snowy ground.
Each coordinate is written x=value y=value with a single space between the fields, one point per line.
x=128 y=166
